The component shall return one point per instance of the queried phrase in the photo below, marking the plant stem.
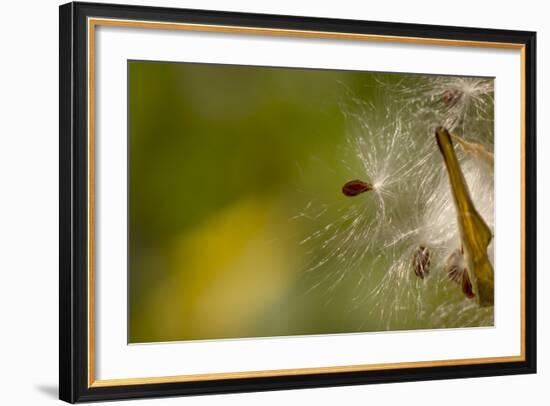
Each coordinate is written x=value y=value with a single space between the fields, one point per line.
x=474 y=232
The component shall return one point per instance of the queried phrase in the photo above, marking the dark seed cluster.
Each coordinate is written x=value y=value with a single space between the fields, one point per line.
x=421 y=261
x=450 y=97
x=457 y=272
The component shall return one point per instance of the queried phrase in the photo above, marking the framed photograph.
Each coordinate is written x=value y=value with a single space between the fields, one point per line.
x=257 y=202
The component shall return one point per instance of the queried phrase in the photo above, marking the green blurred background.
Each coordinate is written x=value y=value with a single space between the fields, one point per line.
x=221 y=159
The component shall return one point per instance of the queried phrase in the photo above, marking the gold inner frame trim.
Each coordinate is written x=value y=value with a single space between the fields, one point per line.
x=94 y=22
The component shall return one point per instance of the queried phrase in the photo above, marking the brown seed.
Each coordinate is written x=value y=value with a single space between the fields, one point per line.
x=467 y=286
x=451 y=96
x=457 y=272
x=356 y=187
x=454 y=266
x=421 y=261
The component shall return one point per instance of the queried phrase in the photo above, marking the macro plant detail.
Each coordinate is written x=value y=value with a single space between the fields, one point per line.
x=338 y=209
x=475 y=234
x=421 y=204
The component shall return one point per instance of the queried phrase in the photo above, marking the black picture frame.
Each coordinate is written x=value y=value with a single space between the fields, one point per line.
x=74 y=200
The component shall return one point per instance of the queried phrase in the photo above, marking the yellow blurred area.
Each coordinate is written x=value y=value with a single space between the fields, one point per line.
x=224 y=274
